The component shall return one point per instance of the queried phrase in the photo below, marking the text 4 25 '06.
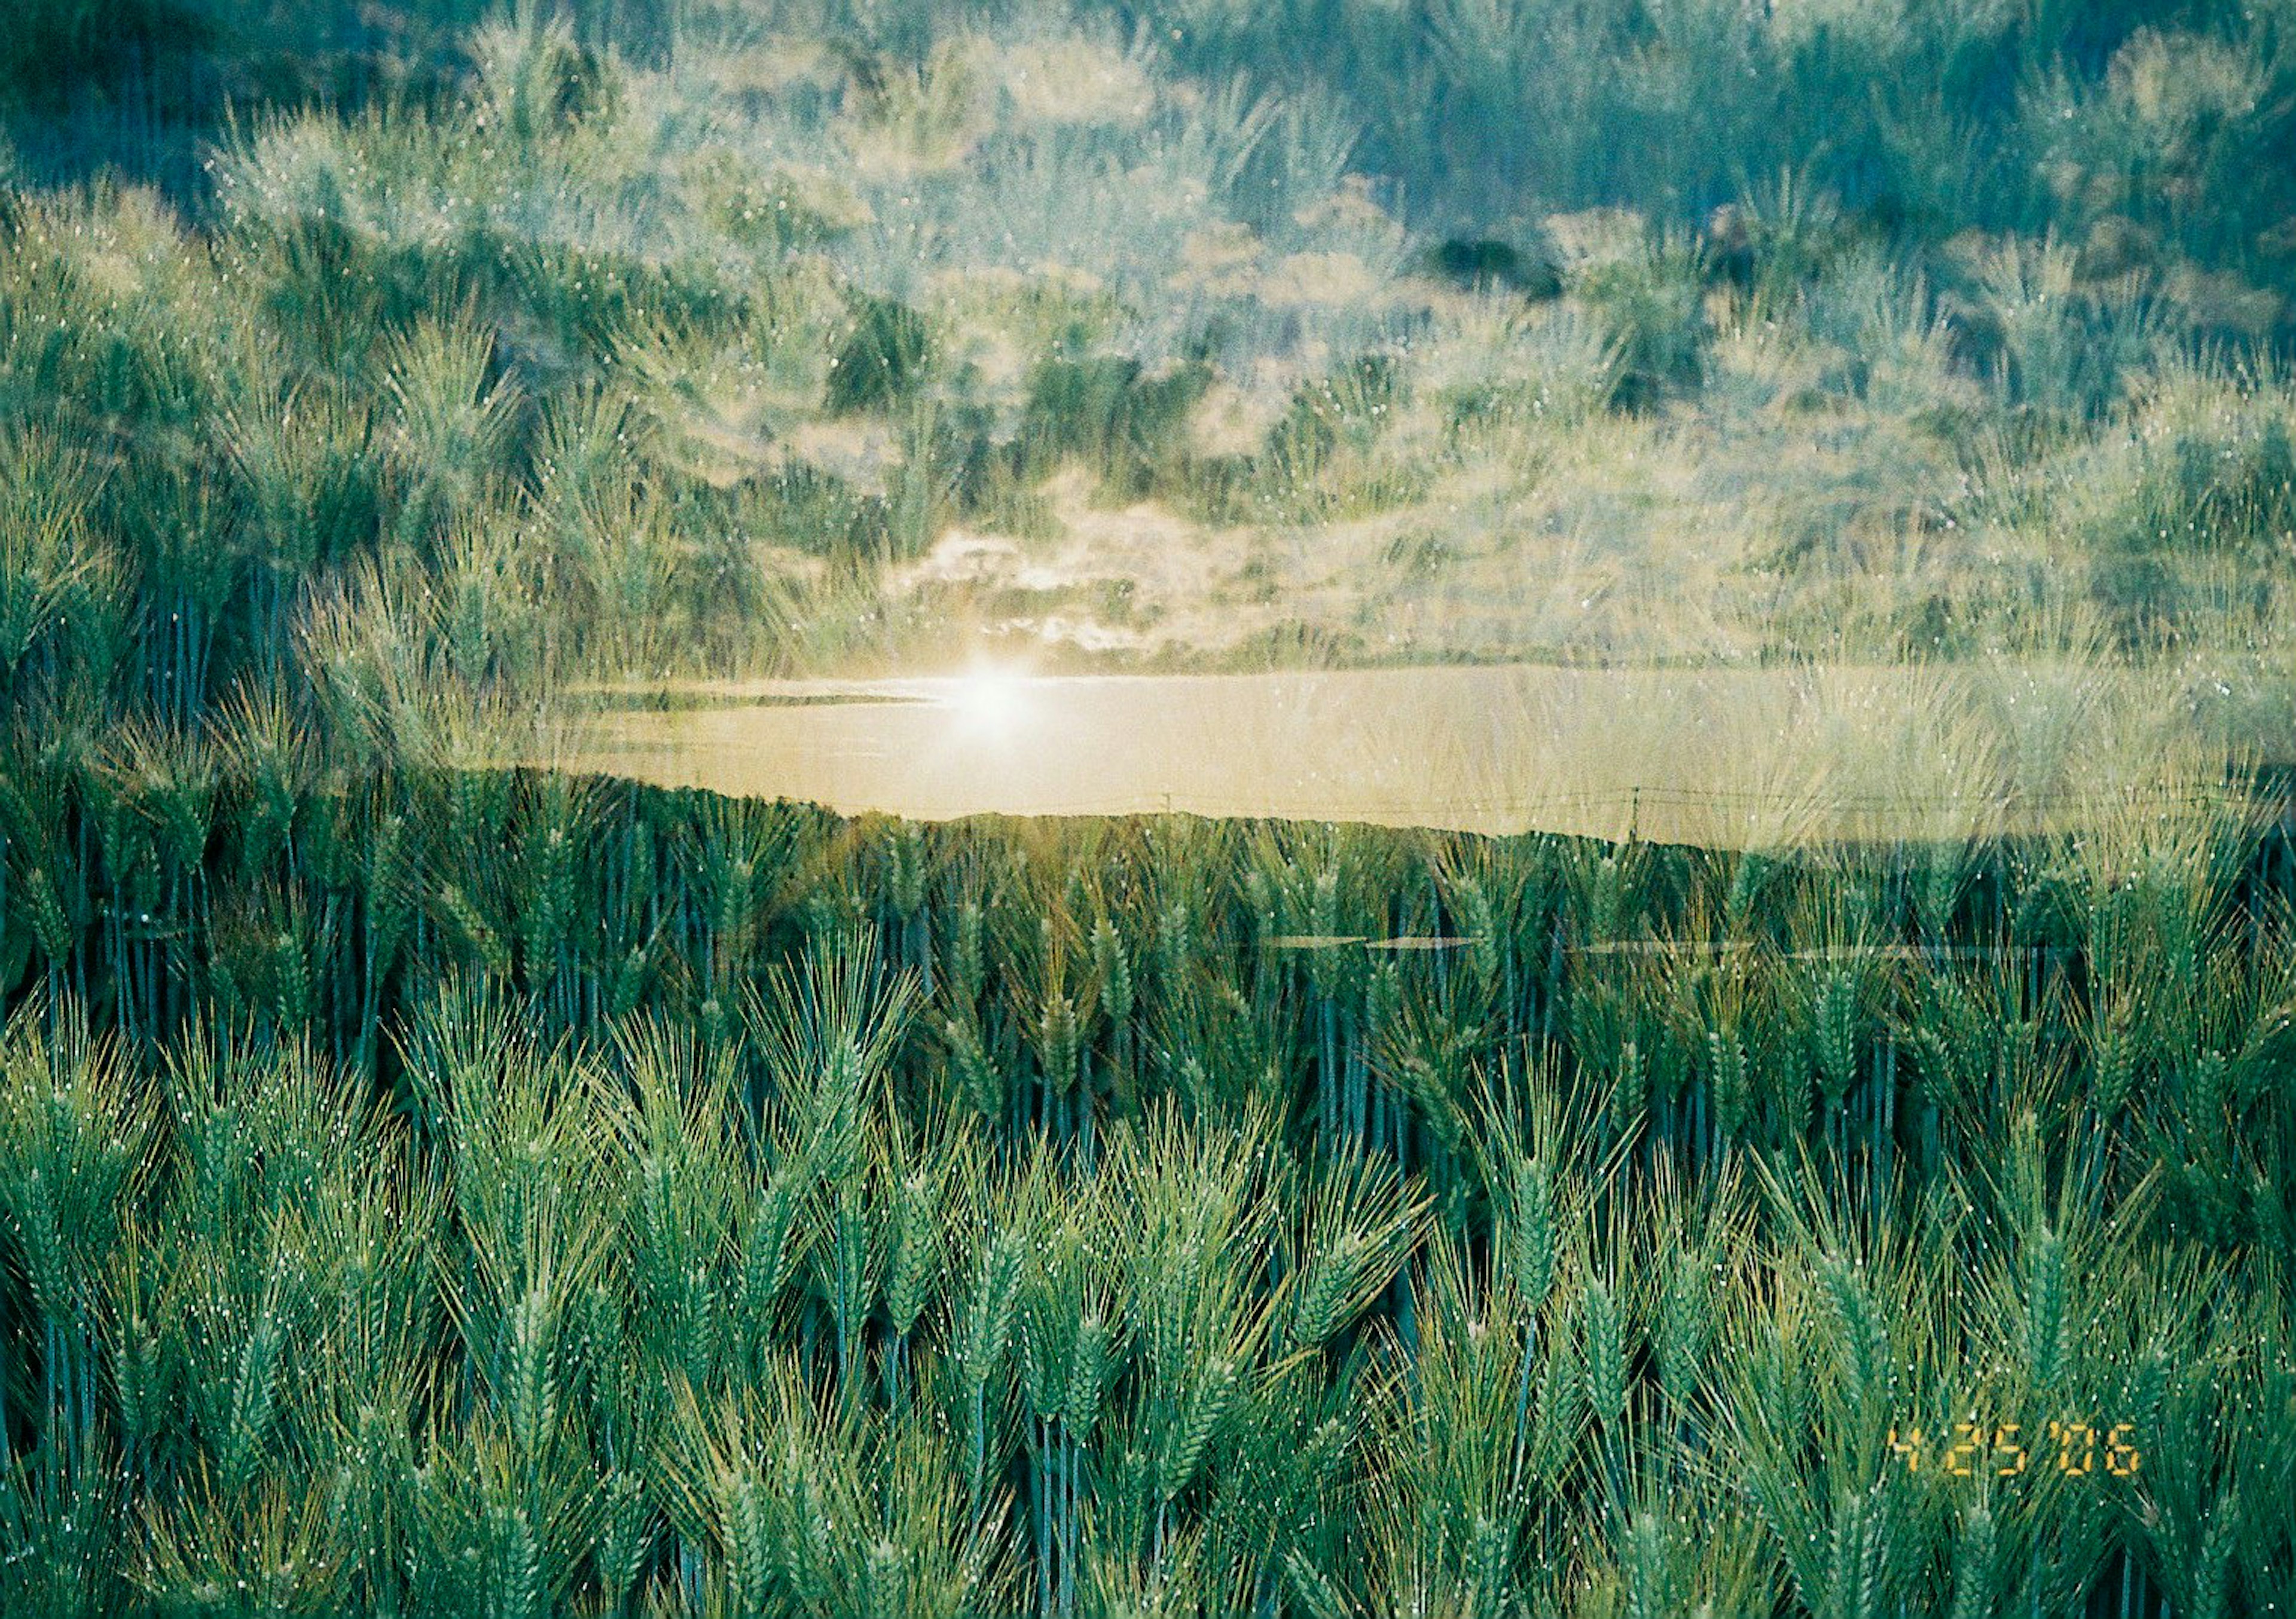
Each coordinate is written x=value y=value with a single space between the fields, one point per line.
x=2005 y=1450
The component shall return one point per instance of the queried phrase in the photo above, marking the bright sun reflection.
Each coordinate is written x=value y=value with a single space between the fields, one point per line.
x=989 y=699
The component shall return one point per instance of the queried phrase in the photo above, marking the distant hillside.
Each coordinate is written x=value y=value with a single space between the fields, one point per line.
x=792 y=337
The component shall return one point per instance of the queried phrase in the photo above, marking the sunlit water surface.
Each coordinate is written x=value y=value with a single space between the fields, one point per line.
x=1738 y=757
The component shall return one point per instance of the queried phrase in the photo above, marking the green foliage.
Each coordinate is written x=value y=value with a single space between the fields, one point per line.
x=433 y=1187
x=831 y=308
x=1004 y=1263
x=884 y=361
x=52 y=45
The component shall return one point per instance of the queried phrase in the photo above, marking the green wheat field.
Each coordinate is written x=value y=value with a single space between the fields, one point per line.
x=1823 y=1146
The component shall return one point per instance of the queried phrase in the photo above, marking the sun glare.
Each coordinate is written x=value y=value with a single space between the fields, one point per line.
x=989 y=699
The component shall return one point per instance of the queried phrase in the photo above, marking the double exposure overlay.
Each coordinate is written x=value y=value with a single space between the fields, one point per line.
x=1196 y=809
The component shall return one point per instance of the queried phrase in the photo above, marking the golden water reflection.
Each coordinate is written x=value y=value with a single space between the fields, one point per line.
x=1735 y=758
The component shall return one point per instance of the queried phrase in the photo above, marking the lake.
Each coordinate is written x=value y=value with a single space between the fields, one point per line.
x=1729 y=757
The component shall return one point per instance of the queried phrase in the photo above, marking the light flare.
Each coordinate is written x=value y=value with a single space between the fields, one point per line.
x=991 y=700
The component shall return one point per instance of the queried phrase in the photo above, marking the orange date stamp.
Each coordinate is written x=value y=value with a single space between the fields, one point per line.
x=2006 y=1450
